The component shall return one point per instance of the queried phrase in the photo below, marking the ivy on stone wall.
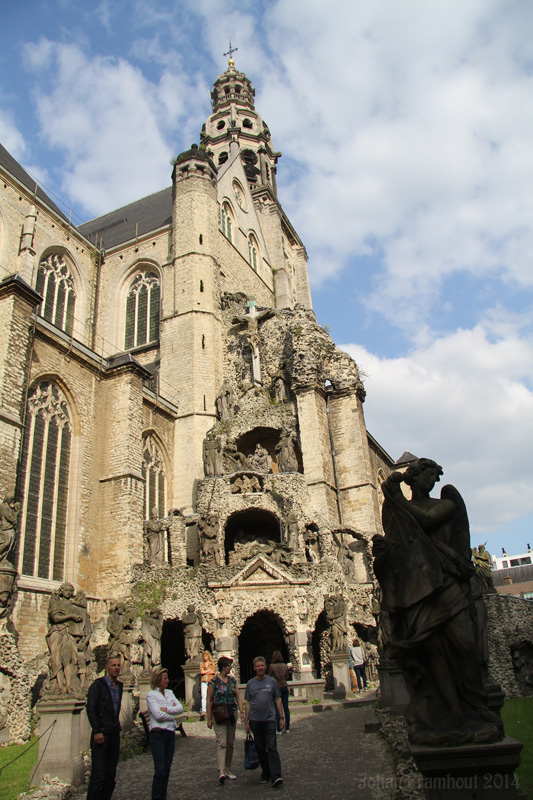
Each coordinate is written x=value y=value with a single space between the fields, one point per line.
x=148 y=594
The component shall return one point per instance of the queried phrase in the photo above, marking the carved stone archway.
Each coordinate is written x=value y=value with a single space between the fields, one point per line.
x=252 y=525
x=261 y=634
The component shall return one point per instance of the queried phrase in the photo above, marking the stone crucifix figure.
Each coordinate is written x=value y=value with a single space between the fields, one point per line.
x=252 y=320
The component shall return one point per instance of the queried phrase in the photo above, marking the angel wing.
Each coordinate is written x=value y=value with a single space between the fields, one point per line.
x=461 y=524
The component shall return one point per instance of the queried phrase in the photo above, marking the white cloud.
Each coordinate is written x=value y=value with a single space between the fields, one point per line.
x=111 y=124
x=464 y=401
x=11 y=137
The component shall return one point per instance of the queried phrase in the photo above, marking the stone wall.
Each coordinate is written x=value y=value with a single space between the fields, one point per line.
x=510 y=631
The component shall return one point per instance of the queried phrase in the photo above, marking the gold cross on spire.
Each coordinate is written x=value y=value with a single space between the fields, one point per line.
x=231 y=62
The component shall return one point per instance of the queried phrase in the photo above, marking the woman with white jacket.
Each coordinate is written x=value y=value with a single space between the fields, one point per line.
x=163 y=708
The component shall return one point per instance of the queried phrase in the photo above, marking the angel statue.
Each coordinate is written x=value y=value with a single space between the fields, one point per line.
x=424 y=567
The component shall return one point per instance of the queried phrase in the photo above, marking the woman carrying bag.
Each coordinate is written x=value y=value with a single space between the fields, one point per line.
x=223 y=698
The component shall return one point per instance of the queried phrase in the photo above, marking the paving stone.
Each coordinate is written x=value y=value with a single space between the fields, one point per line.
x=326 y=755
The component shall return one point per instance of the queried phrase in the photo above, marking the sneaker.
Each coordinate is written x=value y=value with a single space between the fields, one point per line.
x=277 y=782
x=264 y=779
x=287 y=730
x=221 y=779
x=278 y=733
x=230 y=776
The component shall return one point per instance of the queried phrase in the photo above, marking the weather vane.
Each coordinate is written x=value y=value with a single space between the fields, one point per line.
x=230 y=53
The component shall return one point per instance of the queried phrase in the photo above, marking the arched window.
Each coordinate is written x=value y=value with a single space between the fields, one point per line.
x=226 y=220
x=55 y=284
x=43 y=482
x=142 y=310
x=253 y=250
x=153 y=470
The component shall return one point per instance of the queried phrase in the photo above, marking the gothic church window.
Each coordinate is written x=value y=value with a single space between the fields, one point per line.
x=153 y=471
x=44 y=482
x=226 y=219
x=55 y=284
x=142 y=310
x=253 y=249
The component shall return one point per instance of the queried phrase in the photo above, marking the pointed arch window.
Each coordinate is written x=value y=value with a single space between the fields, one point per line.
x=227 y=221
x=142 y=310
x=155 y=484
x=55 y=284
x=44 y=482
x=253 y=250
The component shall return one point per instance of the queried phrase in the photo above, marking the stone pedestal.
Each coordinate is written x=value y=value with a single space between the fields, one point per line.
x=393 y=691
x=59 y=745
x=470 y=772
x=192 y=684
x=85 y=732
x=341 y=675
x=126 y=709
x=143 y=685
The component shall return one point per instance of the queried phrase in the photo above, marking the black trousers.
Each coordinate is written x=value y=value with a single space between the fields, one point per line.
x=267 y=748
x=162 y=743
x=105 y=760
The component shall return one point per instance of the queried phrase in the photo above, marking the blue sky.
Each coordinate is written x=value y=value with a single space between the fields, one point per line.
x=407 y=170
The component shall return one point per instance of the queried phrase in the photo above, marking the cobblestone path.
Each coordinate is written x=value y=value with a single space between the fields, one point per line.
x=326 y=755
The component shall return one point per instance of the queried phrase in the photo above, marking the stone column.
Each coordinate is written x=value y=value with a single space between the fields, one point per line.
x=192 y=689
x=121 y=481
x=59 y=745
x=17 y=301
x=143 y=685
x=126 y=709
x=316 y=454
x=341 y=675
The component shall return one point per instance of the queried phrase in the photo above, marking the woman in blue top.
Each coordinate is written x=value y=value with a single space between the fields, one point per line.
x=163 y=708
x=222 y=693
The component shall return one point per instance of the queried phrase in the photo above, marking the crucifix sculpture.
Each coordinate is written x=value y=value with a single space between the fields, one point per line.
x=252 y=320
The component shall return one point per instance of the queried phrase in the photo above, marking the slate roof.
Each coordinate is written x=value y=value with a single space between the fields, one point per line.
x=138 y=218
x=12 y=166
x=405 y=458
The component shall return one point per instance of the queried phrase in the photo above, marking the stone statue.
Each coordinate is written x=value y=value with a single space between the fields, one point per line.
x=246 y=483
x=260 y=460
x=292 y=534
x=151 y=630
x=223 y=612
x=312 y=548
x=213 y=465
x=335 y=609
x=154 y=533
x=119 y=627
x=192 y=628
x=9 y=511
x=286 y=455
x=251 y=322
x=63 y=614
x=233 y=460
x=209 y=539
x=81 y=631
x=224 y=402
x=424 y=569
x=280 y=390
x=483 y=564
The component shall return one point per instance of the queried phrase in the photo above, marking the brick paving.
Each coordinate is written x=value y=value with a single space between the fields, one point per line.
x=326 y=755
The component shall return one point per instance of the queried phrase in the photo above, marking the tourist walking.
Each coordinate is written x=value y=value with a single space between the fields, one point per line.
x=280 y=672
x=223 y=699
x=262 y=696
x=358 y=656
x=103 y=710
x=207 y=673
x=163 y=708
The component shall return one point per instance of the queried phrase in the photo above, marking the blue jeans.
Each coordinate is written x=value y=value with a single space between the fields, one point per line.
x=267 y=748
x=104 y=767
x=162 y=743
x=360 y=672
x=284 y=692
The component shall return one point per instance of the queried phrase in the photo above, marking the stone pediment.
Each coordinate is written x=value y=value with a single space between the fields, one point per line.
x=261 y=572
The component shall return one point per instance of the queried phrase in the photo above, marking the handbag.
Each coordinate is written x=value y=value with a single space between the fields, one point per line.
x=251 y=759
x=220 y=712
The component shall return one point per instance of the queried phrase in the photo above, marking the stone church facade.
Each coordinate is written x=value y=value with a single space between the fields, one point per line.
x=177 y=428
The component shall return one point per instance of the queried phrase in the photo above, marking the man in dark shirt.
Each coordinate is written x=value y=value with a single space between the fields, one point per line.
x=262 y=696
x=103 y=710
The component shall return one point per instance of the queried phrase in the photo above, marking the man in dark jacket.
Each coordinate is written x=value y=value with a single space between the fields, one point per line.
x=103 y=710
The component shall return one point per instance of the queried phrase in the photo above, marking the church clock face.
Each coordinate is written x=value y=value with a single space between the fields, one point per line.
x=238 y=191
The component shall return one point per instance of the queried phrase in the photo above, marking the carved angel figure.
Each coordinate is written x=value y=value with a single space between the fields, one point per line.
x=424 y=569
